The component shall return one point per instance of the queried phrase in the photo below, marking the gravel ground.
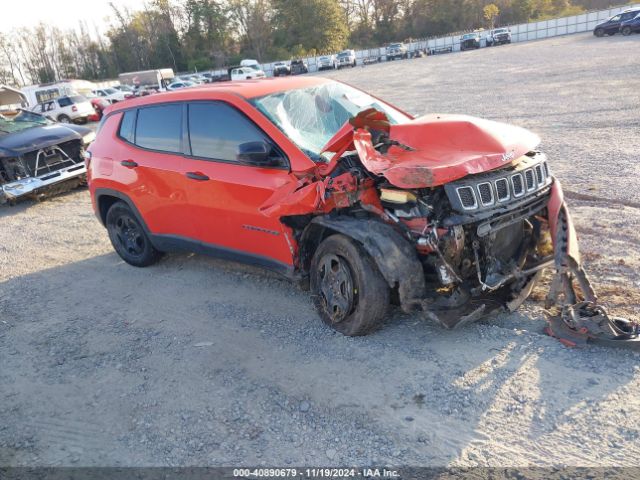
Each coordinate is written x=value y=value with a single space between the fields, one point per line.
x=197 y=361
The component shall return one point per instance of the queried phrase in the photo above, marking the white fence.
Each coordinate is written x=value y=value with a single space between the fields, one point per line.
x=523 y=32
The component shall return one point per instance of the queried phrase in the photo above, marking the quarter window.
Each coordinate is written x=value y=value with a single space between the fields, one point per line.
x=216 y=130
x=160 y=128
x=127 y=126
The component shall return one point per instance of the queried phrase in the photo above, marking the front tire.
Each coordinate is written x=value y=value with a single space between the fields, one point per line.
x=128 y=237
x=599 y=32
x=348 y=290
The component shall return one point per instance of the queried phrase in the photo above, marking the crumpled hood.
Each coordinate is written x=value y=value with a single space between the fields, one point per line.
x=427 y=152
x=35 y=138
x=437 y=149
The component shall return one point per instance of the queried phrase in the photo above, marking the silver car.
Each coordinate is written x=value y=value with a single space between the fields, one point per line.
x=327 y=62
x=346 y=58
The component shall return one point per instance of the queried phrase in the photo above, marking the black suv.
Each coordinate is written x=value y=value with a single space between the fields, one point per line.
x=612 y=26
x=470 y=41
x=298 y=67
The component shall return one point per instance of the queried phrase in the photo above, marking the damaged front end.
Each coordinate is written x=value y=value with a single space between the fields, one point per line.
x=41 y=160
x=461 y=215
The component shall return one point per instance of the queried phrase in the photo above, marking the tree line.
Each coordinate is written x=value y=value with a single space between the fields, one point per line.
x=196 y=35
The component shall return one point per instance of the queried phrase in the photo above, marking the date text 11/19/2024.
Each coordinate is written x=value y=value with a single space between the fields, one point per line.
x=315 y=473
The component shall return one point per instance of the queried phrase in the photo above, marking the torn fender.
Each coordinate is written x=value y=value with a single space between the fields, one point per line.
x=395 y=257
x=297 y=197
x=305 y=196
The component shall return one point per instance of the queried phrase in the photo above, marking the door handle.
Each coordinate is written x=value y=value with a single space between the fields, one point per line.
x=197 y=176
x=128 y=163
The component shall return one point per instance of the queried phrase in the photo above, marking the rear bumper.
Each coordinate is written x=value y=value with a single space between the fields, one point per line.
x=31 y=185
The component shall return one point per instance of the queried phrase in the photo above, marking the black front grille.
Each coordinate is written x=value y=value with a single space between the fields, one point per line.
x=502 y=188
x=486 y=195
x=528 y=175
x=467 y=197
x=497 y=188
x=518 y=187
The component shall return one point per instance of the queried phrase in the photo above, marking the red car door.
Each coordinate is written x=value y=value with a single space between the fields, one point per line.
x=227 y=189
x=150 y=162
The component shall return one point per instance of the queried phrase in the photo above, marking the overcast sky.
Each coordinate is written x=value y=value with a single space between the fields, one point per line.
x=61 y=13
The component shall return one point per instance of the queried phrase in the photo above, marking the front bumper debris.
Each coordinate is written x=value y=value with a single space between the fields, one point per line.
x=574 y=315
x=587 y=322
x=12 y=191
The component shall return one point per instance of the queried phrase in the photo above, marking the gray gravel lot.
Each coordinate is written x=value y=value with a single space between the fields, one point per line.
x=197 y=361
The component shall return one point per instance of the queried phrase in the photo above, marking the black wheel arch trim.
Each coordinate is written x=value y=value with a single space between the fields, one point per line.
x=396 y=257
x=108 y=192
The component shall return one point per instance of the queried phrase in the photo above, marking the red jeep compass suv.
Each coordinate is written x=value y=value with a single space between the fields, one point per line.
x=326 y=184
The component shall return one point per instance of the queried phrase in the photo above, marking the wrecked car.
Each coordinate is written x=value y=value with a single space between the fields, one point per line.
x=37 y=155
x=449 y=215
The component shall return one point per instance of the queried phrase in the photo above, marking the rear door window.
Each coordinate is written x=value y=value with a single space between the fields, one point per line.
x=160 y=128
x=64 y=101
x=217 y=129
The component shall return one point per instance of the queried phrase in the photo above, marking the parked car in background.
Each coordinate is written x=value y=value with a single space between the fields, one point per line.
x=253 y=65
x=181 y=84
x=245 y=73
x=347 y=58
x=37 y=155
x=498 y=36
x=220 y=77
x=613 y=24
x=327 y=62
x=470 y=41
x=72 y=109
x=111 y=95
x=143 y=92
x=299 y=67
x=281 y=68
x=148 y=79
x=193 y=78
x=631 y=26
x=99 y=104
x=124 y=88
x=396 y=50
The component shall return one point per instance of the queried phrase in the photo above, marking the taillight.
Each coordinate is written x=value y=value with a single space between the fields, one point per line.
x=74 y=109
x=87 y=158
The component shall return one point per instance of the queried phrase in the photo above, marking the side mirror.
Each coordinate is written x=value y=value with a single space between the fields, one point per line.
x=254 y=152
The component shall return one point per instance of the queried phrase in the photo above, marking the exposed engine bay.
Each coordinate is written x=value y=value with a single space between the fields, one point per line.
x=481 y=229
x=479 y=240
x=52 y=169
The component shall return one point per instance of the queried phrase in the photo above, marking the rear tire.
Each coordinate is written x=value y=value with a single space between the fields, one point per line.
x=128 y=237
x=347 y=288
x=599 y=32
x=626 y=31
x=64 y=119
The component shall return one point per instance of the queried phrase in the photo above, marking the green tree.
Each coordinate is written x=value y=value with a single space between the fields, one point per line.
x=490 y=13
x=312 y=26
